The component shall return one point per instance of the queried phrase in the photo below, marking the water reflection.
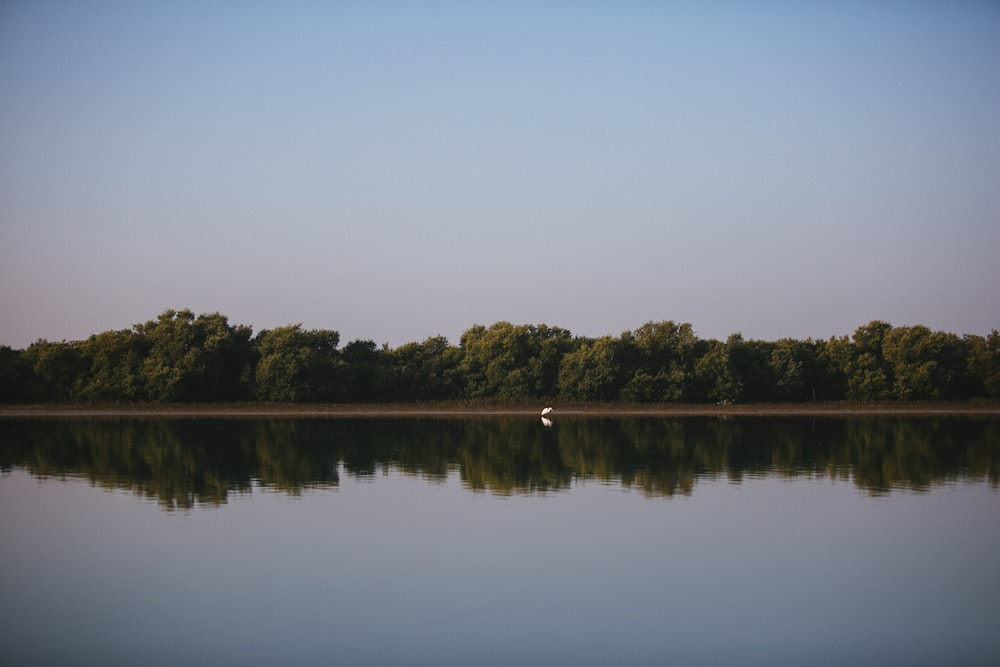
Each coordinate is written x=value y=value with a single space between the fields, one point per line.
x=187 y=462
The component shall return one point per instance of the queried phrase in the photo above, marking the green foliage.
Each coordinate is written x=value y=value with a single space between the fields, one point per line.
x=906 y=363
x=203 y=358
x=15 y=376
x=513 y=362
x=868 y=374
x=751 y=364
x=296 y=365
x=982 y=374
x=919 y=363
x=592 y=371
x=115 y=359
x=192 y=358
x=835 y=356
x=427 y=371
x=660 y=362
x=787 y=364
x=369 y=372
x=714 y=378
x=55 y=370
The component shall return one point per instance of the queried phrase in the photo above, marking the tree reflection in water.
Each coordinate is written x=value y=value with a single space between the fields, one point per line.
x=183 y=463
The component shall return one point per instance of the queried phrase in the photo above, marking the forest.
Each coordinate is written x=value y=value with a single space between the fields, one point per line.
x=183 y=357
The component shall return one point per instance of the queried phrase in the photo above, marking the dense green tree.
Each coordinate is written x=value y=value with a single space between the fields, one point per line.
x=983 y=365
x=659 y=359
x=171 y=364
x=991 y=365
x=370 y=376
x=512 y=362
x=923 y=364
x=911 y=362
x=592 y=372
x=15 y=376
x=788 y=362
x=55 y=367
x=867 y=379
x=801 y=371
x=229 y=358
x=825 y=377
x=427 y=371
x=714 y=379
x=298 y=365
x=835 y=357
x=666 y=385
x=951 y=374
x=549 y=345
x=192 y=358
x=869 y=376
x=751 y=361
x=115 y=362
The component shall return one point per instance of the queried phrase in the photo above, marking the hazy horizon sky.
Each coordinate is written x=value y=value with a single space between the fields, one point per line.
x=395 y=171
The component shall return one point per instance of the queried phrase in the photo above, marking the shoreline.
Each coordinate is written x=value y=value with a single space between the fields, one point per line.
x=265 y=411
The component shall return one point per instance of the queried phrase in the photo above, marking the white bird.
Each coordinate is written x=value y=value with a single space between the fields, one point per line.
x=546 y=411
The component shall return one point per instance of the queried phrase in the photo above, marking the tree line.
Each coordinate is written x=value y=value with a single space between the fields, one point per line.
x=181 y=357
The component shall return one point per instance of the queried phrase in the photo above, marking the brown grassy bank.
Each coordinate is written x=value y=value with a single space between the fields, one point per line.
x=460 y=409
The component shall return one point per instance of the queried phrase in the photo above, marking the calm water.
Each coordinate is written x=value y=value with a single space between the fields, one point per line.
x=500 y=541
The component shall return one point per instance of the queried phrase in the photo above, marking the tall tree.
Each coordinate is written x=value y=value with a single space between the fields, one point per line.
x=14 y=376
x=983 y=365
x=659 y=359
x=507 y=361
x=114 y=360
x=56 y=369
x=924 y=364
x=751 y=363
x=789 y=362
x=297 y=365
x=714 y=379
x=195 y=358
x=592 y=372
x=427 y=371
x=869 y=377
x=369 y=371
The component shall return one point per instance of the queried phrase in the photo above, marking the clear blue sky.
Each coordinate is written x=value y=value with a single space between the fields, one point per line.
x=395 y=171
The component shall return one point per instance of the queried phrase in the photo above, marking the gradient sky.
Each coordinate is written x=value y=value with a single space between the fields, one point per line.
x=395 y=171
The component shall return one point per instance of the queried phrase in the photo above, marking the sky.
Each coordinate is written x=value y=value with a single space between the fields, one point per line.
x=398 y=170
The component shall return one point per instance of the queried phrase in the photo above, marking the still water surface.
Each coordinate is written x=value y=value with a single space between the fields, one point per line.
x=500 y=541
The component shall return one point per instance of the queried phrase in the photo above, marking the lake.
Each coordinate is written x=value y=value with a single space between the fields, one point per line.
x=500 y=540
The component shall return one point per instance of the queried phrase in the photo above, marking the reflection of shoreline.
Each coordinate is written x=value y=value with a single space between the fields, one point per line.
x=242 y=410
x=186 y=461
